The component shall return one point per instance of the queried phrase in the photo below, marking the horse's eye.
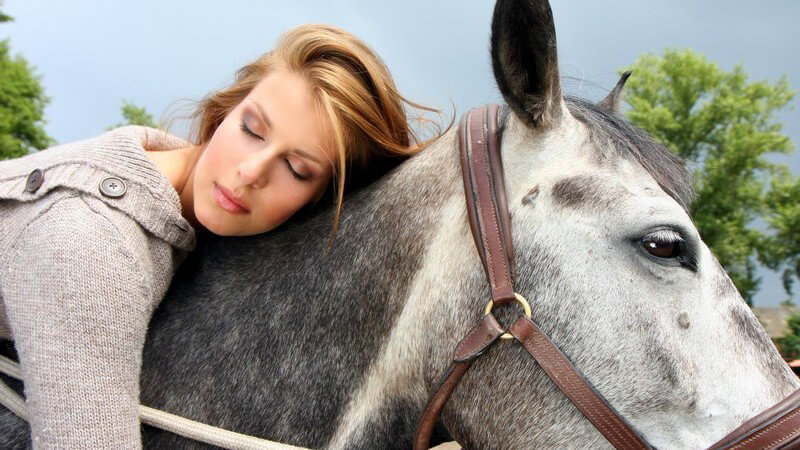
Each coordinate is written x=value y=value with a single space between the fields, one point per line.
x=662 y=248
x=669 y=247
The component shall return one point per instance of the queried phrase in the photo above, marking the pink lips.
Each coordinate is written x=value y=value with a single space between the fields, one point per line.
x=227 y=201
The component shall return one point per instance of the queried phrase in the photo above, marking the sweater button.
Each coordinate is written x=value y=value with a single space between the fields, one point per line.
x=34 y=181
x=112 y=187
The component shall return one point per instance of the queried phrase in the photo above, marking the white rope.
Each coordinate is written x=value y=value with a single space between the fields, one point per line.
x=154 y=417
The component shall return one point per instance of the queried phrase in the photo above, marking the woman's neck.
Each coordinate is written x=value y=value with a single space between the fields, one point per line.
x=178 y=167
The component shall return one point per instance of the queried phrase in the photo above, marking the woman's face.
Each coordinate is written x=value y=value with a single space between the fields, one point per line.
x=269 y=157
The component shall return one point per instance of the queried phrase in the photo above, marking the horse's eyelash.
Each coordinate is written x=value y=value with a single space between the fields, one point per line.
x=667 y=236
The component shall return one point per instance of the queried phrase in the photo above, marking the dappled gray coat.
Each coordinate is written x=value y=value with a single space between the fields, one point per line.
x=91 y=234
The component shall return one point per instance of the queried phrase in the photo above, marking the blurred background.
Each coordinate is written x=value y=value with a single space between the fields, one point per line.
x=714 y=81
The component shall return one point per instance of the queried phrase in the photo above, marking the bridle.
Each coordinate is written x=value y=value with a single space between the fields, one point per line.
x=487 y=208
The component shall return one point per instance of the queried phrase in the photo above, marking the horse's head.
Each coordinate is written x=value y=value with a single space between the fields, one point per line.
x=616 y=272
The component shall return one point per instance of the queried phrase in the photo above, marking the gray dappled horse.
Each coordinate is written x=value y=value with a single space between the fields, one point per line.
x=271 y=336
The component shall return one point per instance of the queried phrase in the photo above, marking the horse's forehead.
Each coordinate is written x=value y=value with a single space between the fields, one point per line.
x=589 y=191
x=582 y=185
x=581 y=171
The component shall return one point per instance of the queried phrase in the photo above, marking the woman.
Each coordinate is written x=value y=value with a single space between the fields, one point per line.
x=94 y=230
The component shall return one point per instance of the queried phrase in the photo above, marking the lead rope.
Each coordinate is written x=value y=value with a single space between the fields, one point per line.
x=160 y=419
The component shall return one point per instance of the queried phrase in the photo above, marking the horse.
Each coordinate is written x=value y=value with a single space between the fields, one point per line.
x=339 y=347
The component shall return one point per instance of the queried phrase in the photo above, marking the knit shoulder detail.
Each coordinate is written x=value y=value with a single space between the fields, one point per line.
x=149 y=198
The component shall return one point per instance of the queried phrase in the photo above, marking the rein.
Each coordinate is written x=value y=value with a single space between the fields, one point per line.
x=487 y=208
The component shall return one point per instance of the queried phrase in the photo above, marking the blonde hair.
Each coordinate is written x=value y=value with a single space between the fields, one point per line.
x=352 y=86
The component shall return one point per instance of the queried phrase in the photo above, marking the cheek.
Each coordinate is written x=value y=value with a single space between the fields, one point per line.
x=220 y=152
x=204 y=174
x=209 y=160
x=283 y=202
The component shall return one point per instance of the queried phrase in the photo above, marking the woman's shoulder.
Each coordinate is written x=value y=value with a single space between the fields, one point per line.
x=111 y=173
x=67 y=220
x=68 y=224
x=121 y=149
x=73 y=239
x=78 y=237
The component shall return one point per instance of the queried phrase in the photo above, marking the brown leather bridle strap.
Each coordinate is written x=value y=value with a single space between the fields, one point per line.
x=487 y=207
x=575 y=387
x=777 y=427
x=478 y=340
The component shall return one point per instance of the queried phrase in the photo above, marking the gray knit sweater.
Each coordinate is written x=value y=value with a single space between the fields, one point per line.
x=90 y=236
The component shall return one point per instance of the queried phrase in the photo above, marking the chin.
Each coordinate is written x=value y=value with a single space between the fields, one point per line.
x=212 y=223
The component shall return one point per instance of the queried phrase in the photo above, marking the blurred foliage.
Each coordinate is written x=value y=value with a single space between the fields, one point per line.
x=724 y=125
x=782 y=250
x=135 y=115
x=789 y=345
x=22 y=103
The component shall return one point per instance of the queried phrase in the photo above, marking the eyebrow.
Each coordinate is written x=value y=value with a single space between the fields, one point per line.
x=266 y=120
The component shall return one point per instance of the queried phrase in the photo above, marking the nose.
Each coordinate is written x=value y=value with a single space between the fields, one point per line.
x=255 y=168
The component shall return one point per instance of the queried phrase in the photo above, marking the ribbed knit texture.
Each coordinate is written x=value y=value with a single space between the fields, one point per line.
x=80 y=274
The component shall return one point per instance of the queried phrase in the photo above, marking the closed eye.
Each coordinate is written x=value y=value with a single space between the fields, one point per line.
x=294 y=172
x=249 y=132
x=243 y=126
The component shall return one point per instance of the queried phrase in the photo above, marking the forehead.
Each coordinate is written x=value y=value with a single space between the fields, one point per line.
x=588 y=191
x=598 y=161
x=596 y=192
x=284 y=88
x=293 y=111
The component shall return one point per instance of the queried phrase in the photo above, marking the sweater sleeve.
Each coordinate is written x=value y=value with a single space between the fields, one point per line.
x=78 y=307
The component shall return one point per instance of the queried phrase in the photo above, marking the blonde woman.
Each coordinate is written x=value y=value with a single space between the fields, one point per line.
x=93 y=231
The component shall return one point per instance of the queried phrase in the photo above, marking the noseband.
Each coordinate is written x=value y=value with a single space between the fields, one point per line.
x=482 y=169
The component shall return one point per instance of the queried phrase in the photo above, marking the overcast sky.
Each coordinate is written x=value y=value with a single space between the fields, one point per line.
x=92 y=55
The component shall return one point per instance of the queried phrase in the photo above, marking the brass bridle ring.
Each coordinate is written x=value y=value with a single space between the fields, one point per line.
x=521 y=300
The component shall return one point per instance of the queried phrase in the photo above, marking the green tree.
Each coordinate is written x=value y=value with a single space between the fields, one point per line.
x=135 y=115
x=725 y=125
x=782 y=249
x=22 y=103
x=789 y=344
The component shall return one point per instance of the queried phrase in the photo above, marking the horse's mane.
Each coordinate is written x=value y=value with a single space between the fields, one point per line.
x=614 y=136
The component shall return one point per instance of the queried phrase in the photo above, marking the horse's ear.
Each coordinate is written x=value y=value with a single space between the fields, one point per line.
x=524 y=59
x=614 y=98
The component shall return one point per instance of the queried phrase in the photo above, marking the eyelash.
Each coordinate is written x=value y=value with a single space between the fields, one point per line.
x=250 y=133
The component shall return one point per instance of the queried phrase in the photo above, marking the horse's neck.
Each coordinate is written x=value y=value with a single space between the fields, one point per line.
x=330 y=316
x=401 y=217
